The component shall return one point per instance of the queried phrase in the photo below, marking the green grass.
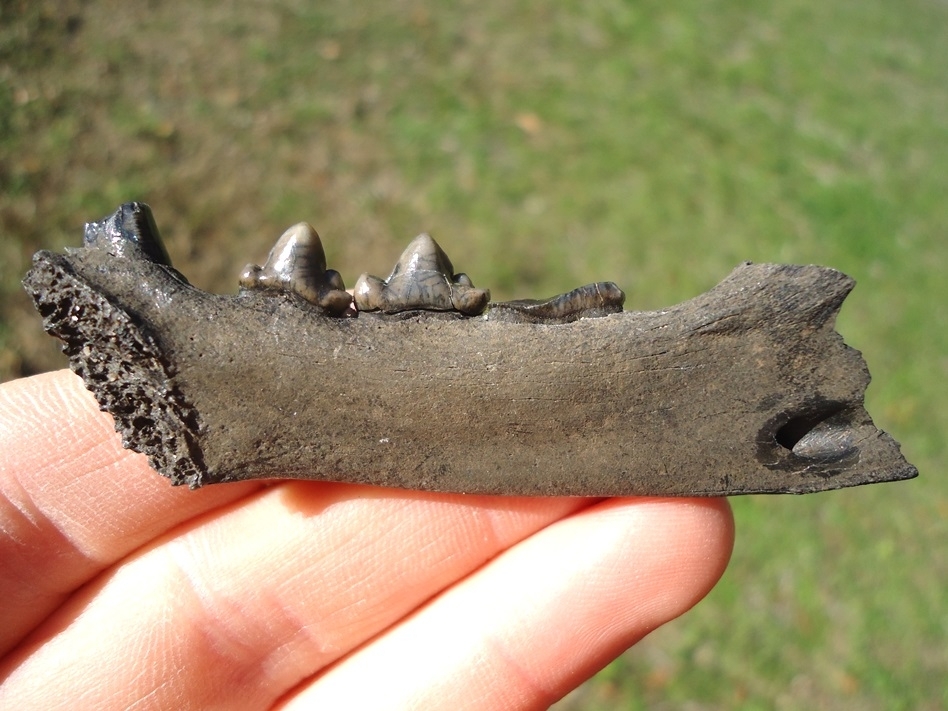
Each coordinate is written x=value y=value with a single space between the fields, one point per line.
x=655 y=144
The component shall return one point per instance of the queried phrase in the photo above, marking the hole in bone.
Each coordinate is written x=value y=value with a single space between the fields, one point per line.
x=813 y=423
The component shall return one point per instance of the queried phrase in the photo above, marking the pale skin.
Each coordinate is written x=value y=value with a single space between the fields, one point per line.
x=120 y=591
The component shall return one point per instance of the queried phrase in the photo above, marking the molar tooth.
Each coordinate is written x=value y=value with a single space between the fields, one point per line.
x=423 y=278
x=297 y=263
x=589 y=301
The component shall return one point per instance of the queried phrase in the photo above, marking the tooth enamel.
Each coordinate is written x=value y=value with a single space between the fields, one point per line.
x=422 y=279
x=297 y=263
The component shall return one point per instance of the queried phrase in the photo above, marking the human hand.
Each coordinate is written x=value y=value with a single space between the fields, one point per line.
x=120 y=591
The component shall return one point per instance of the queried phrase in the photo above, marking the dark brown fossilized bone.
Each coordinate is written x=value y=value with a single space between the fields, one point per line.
x=744 y=389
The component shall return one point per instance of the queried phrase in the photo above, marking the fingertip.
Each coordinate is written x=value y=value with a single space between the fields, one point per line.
x=705 y=542
x=707 y=529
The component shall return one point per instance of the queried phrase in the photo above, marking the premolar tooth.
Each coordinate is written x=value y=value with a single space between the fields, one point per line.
x=422 y=279
x=297 y=263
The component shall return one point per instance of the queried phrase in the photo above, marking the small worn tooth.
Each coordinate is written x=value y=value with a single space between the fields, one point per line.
x=297 y=263
x=129 y=232
x=367 y=293
x=423 y=279
x=470 y=301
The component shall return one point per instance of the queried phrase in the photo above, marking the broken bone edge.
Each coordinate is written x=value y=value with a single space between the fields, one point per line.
x=122 y=365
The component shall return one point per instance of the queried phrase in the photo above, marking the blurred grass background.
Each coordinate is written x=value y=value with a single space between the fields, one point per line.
x=656 y=144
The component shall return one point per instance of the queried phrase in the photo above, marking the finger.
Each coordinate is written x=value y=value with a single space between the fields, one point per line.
x=235 y=610
x=544 y=616
x=72 y=501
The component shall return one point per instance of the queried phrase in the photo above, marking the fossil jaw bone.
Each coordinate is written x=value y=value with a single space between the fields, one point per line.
x=744 y=389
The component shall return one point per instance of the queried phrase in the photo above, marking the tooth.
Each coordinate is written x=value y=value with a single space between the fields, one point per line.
x=128 y=232
x=590 y=301
x=423 y=279
x=297 y=264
